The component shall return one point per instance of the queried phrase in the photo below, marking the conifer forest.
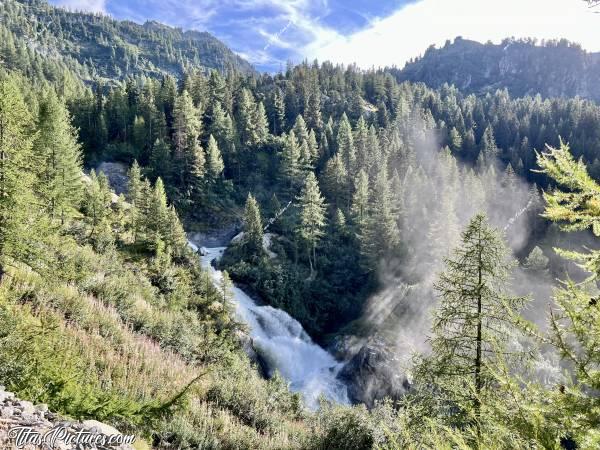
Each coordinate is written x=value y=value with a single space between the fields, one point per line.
x=211 y=256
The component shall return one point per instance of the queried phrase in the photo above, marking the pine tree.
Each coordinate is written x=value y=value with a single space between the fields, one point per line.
x=312 y=217
x=253 y=228
x=473 y=321
x=312 y=109
x=16 y=172
x=60 y=181
x=361 y=137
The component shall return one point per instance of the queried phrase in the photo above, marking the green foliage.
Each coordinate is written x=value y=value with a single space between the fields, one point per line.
x=253 y=228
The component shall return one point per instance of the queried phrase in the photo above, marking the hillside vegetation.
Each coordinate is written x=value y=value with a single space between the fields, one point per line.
x=378 y=191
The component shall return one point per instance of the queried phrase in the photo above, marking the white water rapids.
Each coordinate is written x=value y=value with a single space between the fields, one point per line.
x=284 y=345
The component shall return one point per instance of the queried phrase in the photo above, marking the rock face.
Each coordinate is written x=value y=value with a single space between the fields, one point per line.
x=116 y=173
x=557 y=69
x=216 y=238
x=34 y=426
x=373 y=372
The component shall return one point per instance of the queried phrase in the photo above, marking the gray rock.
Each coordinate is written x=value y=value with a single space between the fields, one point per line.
x=5 y=395
x=42 y=407
x=373 y=373
x=28 y=407
x=99 y=427
x=7 y=411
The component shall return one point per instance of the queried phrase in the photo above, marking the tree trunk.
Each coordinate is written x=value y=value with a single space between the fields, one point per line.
x=478 y=351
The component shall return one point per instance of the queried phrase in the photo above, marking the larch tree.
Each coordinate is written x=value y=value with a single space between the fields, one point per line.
x=575 y=322
x=60 y=181
x=473 y=322
x=312 y=218
x=17 y=177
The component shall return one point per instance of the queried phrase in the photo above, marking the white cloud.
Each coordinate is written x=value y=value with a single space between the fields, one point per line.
x=84 y=5
x=408 y=32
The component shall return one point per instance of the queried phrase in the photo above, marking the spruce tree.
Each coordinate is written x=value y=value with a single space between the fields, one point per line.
x=187 y=128
x=253 y=228
x=160 y=160
x=261 y=124
x=381 y=235
x=279 y=112
x=290 y=161
x=312 y=217
x=214 y=163
x=158 y=215
x=345 y=145
x=335 y=181
x=246 y=119
x=360 y=200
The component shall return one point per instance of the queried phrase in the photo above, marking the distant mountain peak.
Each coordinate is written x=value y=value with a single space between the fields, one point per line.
x=557 y=68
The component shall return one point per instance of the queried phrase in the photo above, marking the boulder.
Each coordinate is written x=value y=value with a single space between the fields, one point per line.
x=374 y=372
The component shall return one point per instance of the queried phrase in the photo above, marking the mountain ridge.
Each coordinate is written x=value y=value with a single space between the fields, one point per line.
x=524 y=68
x=99 y=46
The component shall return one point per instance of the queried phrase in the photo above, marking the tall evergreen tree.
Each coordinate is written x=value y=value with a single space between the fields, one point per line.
x=290 y=161
x=253 y=228
x=60 y=182
x=278 y=113
x=214 y=163
x=345 y=145
x=473 y=321
x=16 y=172
x=187 y=127
x=312 y=217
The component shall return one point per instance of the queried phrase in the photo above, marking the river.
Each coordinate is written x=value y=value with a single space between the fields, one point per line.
x=284 y=345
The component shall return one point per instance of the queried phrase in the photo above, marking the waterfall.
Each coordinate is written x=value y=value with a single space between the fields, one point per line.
x=284 y=345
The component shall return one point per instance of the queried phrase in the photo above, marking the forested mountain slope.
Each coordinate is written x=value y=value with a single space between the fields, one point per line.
x=37 y=36
x=370 y=184
x=553 y=69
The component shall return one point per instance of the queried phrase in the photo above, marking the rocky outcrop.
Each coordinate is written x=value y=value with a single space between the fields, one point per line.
x=116 y=173
x=27 y=426
x=373 y=373
x=215 y=238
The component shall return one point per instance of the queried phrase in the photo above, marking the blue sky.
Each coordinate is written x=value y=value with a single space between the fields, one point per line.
x=368 y=32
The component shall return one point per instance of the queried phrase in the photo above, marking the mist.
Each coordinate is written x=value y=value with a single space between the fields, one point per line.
x=437 y=198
